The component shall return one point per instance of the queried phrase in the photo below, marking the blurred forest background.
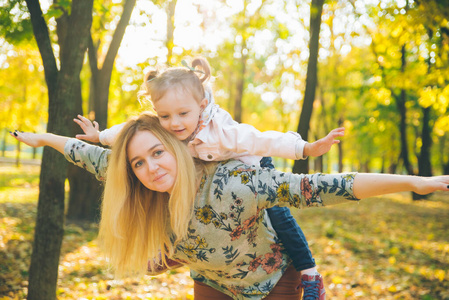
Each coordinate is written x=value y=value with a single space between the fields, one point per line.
x=383 y=67
x=380 y=68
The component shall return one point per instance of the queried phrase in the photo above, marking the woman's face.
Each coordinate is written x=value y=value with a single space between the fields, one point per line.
x=152 y=164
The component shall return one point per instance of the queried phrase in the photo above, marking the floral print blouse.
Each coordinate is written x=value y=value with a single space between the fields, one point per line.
x=231 y=244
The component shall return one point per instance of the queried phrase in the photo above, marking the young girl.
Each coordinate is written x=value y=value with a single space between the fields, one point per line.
x=185 y=107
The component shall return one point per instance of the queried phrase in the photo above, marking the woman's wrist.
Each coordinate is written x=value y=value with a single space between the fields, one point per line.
x=45 y=138
x=415 y=183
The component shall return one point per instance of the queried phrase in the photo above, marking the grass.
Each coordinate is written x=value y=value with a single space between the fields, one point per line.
x=381 y=248
x=26 y=153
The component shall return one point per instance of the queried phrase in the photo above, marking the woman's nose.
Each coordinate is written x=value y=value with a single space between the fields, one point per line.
x=153 y=166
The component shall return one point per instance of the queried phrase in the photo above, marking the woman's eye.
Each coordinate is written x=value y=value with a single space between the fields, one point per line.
x=158 y=153
x=138 y=164
x=163 y=117
x=184 y=113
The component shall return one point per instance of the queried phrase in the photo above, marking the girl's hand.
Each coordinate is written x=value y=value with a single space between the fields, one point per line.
x=31 y=139
x=92 y=133
x=323 y=145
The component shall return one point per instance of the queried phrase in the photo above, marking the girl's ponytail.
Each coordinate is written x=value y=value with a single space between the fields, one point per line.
x=203 y=66
x=150 y=75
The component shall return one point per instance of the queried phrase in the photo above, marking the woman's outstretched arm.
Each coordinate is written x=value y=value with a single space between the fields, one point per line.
x=370 y=185
x=35 y=140
x=92 y=158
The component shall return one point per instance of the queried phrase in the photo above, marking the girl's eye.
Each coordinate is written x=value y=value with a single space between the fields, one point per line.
x=184 y=113
x=163 y=117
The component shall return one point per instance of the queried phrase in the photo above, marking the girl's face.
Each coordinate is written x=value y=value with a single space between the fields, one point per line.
x=179 y=112
x=152 y=164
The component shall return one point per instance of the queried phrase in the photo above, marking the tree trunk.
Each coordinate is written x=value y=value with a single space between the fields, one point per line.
x=85 y=190
x=49 y=229
x=340 y=150
x=93 y=64
x=18 y=154
x=302 y=166
x=446 y=169
x=318 y=163
x=4 y=142
x=85 y=195
x=443 y=155
x=104 y=74
x=240 y=87
x=400 y=103
x=171 y=5
x=424 y=164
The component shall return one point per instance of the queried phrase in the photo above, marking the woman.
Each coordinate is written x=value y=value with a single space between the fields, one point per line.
x=159 y=202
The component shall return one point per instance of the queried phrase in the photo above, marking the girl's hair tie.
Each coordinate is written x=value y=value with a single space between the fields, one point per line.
x=152 y=75
x=184 y=63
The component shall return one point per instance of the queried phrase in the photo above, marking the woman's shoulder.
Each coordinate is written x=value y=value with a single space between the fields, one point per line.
x=234 y=165
x=234 y=173
x=210 y=168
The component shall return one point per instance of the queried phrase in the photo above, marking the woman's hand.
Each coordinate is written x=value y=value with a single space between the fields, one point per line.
x=35 y=140
x=31 y=139
x=428 y=185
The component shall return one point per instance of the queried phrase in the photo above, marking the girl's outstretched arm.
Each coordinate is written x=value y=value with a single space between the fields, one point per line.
x=370 y=185
x=35 y=140
x=90 y=129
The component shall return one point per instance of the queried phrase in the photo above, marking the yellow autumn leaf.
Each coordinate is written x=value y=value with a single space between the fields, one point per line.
x=337 y=280
x=392 y=260
x=428 y=97
x=410 y=268
x=394 y=250
x=440 y=274
x=442 y=125
x=393 y=288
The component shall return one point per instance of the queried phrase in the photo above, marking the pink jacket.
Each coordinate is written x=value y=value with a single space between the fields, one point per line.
x=223 y=138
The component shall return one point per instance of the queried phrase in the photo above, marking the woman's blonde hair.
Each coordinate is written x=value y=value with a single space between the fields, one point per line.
x=139 y=225
x=191 y=79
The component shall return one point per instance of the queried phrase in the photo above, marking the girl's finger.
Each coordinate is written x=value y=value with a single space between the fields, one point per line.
x=79 y=122
x=80 y=136
x=83 y=119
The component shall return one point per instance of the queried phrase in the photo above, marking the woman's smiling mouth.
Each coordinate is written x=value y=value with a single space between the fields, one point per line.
x=159 y=177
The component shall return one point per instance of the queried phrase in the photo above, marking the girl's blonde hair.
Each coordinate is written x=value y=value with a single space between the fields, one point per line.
x=189 y=79
x=139 y=225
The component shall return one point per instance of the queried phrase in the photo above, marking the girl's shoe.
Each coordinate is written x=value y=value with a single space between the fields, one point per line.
x=313 y=287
